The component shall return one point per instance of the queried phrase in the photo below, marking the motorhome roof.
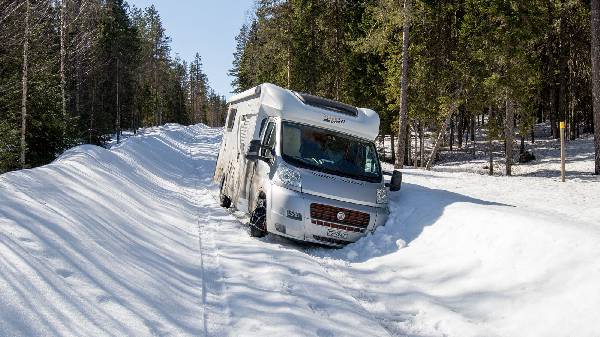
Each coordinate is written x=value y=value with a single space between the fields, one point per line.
x=313 y=110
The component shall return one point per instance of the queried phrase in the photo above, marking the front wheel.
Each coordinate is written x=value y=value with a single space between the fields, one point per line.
x=258 y=219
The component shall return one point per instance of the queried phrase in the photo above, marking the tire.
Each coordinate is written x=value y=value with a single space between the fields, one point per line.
x=224 y=200
x=258 y=220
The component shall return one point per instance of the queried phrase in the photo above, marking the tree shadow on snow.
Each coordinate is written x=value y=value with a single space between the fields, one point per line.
x=82 y=240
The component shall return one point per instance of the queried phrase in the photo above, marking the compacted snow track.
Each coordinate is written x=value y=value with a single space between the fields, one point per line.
x=131 y=242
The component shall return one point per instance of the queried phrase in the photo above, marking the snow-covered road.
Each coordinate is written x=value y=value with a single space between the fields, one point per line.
x=131 y=242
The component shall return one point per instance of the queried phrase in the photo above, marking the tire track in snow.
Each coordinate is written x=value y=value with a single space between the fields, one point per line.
x=329 y=268
x=215 y=311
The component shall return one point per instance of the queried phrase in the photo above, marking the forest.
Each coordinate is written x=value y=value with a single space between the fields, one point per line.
x=435 y=69
x=82 y=71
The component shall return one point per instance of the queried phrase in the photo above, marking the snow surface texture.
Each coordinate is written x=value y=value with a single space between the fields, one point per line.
x=131 y=242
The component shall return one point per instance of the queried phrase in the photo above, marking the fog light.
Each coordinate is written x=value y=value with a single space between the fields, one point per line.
x=280 y=228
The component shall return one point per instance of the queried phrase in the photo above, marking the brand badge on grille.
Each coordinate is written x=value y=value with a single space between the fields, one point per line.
x=341 y=216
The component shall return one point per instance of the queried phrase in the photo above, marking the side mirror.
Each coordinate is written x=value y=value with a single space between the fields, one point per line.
x=254 y=146
x=257 y=151
x=396 y=182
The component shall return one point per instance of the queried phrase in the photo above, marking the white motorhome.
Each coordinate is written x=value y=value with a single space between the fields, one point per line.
x=302 y=166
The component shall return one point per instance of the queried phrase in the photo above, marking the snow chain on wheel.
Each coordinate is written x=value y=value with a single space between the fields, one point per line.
x=258 y=219
x=223 y=199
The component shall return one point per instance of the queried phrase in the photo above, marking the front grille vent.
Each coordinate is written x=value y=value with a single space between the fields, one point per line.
x=336 y=226
x=330 y=214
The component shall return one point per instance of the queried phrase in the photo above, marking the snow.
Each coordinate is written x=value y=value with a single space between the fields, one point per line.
x=470 y=255
x=131 y=241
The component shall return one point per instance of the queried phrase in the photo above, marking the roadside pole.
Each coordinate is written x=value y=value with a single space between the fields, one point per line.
x=562 y=151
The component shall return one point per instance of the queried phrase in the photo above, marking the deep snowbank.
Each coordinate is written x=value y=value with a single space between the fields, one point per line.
x=495 y=257
x=131 y=242
x=103 y=242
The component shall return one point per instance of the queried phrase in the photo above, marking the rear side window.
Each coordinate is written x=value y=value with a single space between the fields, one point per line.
x=231 y=119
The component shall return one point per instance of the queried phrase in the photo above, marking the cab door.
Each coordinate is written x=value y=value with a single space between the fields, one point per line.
x=262 y=167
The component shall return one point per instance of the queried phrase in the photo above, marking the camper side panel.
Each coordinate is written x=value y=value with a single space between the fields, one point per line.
x=231 y=164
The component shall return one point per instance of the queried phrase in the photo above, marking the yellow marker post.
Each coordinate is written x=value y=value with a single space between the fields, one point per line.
x=562 y=151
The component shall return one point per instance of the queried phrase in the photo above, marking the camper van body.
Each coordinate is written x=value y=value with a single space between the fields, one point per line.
x=305 y=199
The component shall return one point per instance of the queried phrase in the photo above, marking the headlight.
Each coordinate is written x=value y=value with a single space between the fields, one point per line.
x=382 y=195
x=288 y=177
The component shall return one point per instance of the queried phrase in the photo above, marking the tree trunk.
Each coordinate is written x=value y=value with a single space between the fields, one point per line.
x=440 y=138
x=509 y=134
x=63 y=53
x=337 y=51
x=553 y=113
x=408 y=143
x=460 y=126
x=491 y=151
x=393 y=148
x=572 y=101
x=473 y=130
x=522 y=146
x=416 y=145
x=78 y=87
x=563 y=73
x=289 y=44
x=490 y=141
x=550 y=70
x=92 y=111
x=421 y=145
x=403 y=120
x=596 y=78
x=118 y=107
x=451 y=140
x=25 y=84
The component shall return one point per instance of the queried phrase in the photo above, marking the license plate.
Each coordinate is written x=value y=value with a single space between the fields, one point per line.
x=337 y=234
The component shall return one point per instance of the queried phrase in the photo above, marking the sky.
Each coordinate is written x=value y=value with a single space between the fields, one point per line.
x=207 y=27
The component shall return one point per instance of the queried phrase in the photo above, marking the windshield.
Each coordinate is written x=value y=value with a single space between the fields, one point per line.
x=329 y=152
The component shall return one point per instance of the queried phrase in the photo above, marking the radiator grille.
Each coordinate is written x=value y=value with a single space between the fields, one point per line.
x=330 y=214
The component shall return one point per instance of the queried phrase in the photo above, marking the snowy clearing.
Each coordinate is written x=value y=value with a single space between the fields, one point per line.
x=473 y=157
x=131 y=242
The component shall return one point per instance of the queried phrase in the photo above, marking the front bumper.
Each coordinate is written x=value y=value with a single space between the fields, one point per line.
x=285 y=205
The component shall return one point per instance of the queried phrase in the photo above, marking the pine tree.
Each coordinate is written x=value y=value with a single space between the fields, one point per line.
x=119 y=47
